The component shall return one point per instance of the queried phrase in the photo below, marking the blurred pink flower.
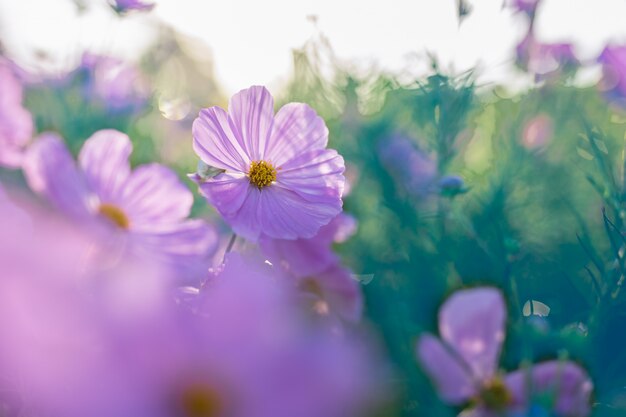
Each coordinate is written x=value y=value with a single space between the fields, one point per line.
x=545 y=60
x=148 y=206
x=16 y=123
x=463 y=363
x=114 y=83
x=412 y=169
x=278 y=179
x=537 y=131
x=613 y=84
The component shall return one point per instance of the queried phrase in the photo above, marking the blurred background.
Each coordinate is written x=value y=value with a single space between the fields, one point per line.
x=483 y=144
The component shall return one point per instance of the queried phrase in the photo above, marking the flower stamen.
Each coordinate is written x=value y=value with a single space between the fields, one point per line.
x=115 y=215
x=262 y=173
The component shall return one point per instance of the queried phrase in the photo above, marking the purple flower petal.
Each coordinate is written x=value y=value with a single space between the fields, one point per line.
x=297 y=130
x=154 y=195
x=452 y=380
x=472 y=323
x=315 y=174
x=51 y=172
x=216 y=141
x=286 y=214
x=566 y=385
x=104 y=161
x=252 y=113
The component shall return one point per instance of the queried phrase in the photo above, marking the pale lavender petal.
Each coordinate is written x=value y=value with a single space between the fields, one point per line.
x=566 y=384
x=316 y=174
x=153 y=195
x=297 y=130
x=16 y=123
x=236 y=200
x=51 y=172
x=185 y=246
x=104 y=160
x=216 y=141
x=285 y=214
x=453 y=382
x=252 y=113
x=472 y=322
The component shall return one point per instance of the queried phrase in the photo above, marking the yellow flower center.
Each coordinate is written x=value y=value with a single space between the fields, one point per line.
x=262 y=173
x=201 y=400
x=115 y=215
x=495 y=394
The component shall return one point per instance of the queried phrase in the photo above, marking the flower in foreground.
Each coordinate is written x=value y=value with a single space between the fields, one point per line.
x=148 y=205
x=16 y=123
x=278 y=177
x=463 y=364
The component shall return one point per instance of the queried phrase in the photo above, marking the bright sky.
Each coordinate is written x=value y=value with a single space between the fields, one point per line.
x=252 y=40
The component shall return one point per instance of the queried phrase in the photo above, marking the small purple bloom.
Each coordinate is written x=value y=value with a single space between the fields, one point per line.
x=412 y=169
x=123 y=6
x=16 y=123
x=545 y=60
x=148 y=205
x=279 y=179
x=613 y=60
x=463 y=363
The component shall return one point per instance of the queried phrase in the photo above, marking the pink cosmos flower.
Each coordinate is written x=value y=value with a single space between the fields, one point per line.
x=146 y=207
x=16 y=123
x=278 y=179
x=463 y=364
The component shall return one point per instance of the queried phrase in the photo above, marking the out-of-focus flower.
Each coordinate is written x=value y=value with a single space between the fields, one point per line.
x=613 y=60
x=123 y=6
x=546 y=60
x=412 y=169
x=526 y=6
x=463 y=364
x=61 y=294
x=115 y=84
x=316 y=268
x=537 y=131
x=148 y=206
x=16 y=123
x=244 y=352
x=303 y=257
x=279 y=179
